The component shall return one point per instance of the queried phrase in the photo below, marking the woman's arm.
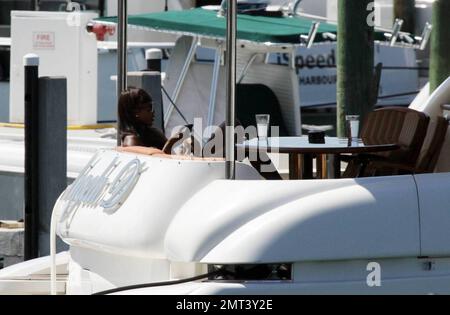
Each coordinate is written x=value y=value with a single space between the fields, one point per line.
x=160 y=141
x=158 y=153
x=167 y=149
x=140 y=150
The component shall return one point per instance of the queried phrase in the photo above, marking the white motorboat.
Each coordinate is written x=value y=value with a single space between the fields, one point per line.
x=159 y=219
x=188 y=81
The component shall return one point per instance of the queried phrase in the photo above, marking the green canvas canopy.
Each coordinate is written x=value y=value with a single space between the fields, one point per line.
x=206 y=23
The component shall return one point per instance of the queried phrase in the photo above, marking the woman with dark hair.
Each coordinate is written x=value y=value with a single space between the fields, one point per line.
x=136 y=116
x=138 y=135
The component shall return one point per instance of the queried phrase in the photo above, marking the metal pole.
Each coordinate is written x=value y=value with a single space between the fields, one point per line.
x=31 y=63
x=121 y=56
x=295 y=7
x=440 y=44
x=181 y=78
x=247 y=66
x=230 y=164
x=214 y=82
x=101 y=7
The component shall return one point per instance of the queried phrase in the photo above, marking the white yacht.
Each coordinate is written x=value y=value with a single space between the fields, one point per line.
x=157 y=219
x=193 y=64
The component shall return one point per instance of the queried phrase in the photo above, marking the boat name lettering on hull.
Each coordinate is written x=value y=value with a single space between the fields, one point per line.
x=101 y=190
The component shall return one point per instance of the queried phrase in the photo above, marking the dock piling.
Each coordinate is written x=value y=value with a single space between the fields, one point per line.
x=355 y=58
x=440 y=44
x=153 y=57
x=52 y=134
x=31 y=215
x=45 y=154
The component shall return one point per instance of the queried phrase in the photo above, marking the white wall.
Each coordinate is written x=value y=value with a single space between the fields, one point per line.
x=65 y=49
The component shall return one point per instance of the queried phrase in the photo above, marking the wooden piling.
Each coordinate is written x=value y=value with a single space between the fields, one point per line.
x=355 y=58
x=440 y=44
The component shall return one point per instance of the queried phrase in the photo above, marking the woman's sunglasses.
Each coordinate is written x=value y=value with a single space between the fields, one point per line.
x=145 y=107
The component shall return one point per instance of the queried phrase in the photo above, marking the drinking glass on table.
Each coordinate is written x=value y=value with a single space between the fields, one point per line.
x=262 y=125
x=353 y=127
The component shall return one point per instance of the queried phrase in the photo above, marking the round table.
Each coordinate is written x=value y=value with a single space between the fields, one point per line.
x=301 y=152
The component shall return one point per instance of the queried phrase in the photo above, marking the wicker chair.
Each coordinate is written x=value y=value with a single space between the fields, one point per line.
x=403 y=126
x=428 y=158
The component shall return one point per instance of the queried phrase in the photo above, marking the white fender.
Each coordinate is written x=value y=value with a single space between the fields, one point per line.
x=285 y=221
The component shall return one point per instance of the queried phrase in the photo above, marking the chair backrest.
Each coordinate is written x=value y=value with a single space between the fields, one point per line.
x=428 y=159
x=382 y=126
x=403 y=126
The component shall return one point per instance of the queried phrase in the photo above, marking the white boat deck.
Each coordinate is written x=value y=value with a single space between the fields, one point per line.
x=82 y=144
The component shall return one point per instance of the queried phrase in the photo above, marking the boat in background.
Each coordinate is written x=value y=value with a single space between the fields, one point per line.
x=270 y=59
x=402 y=74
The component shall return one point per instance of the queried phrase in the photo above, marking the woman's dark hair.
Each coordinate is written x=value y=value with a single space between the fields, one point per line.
x=129 y=103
